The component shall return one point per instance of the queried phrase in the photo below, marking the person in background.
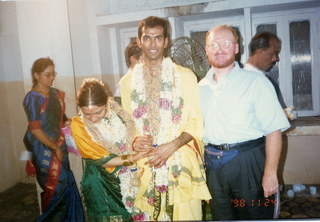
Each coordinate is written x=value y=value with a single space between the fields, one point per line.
x=44 y=107
x=103 y=133
x=243 y=121
x=264 y=50
x=163 y=99
x=133 y=55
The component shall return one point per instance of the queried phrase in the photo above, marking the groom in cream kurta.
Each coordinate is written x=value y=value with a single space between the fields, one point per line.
x=163 y=99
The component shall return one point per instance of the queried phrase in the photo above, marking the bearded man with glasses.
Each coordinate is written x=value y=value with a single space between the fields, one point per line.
x=243 y=122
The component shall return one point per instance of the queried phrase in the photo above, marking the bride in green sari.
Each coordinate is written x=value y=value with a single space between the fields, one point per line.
x=104 y=133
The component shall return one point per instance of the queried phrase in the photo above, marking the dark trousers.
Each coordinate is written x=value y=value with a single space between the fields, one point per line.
x=236 y=187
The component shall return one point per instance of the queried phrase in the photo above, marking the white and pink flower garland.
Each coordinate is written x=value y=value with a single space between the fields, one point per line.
x=170 y=111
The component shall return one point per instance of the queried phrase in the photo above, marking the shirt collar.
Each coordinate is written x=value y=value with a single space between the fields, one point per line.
x=249 y=66
x=230 y=75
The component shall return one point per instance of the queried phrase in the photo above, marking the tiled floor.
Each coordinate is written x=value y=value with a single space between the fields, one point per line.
x=302 y=205
x=19 y=203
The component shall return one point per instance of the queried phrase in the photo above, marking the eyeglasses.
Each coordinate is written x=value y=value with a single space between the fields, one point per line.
x=225 y=45
x=49 y=74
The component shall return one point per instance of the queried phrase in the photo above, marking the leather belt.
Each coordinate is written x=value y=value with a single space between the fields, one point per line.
x=234 y=146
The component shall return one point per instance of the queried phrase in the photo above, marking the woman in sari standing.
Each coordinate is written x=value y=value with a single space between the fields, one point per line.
x=103 y=132
x=44 y=107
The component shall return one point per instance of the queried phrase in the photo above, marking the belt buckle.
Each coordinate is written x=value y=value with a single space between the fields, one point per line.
x=224 y=147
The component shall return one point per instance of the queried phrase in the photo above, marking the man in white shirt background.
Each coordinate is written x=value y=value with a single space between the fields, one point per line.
x=264 y=50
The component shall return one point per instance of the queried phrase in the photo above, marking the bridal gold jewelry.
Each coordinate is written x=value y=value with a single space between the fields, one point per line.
x=125 y=160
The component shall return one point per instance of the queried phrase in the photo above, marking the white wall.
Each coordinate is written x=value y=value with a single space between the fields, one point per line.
x=30 y=30
x=12 y=122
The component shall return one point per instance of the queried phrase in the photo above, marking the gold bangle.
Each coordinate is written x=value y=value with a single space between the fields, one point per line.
x=125 y=160
x=130 y=157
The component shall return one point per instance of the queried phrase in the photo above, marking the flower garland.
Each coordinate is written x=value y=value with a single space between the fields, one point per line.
x=125 y=125
x=115 y=132
x=129 y=189
x=170 y=111
x=171 y=102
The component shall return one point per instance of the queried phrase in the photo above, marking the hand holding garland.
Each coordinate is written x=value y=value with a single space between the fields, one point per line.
x=143 y=143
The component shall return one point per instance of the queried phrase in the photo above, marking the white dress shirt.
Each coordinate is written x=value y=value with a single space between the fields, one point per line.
x=242 y=106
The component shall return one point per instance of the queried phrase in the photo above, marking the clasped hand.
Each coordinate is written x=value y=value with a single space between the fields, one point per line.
x=157 y=155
